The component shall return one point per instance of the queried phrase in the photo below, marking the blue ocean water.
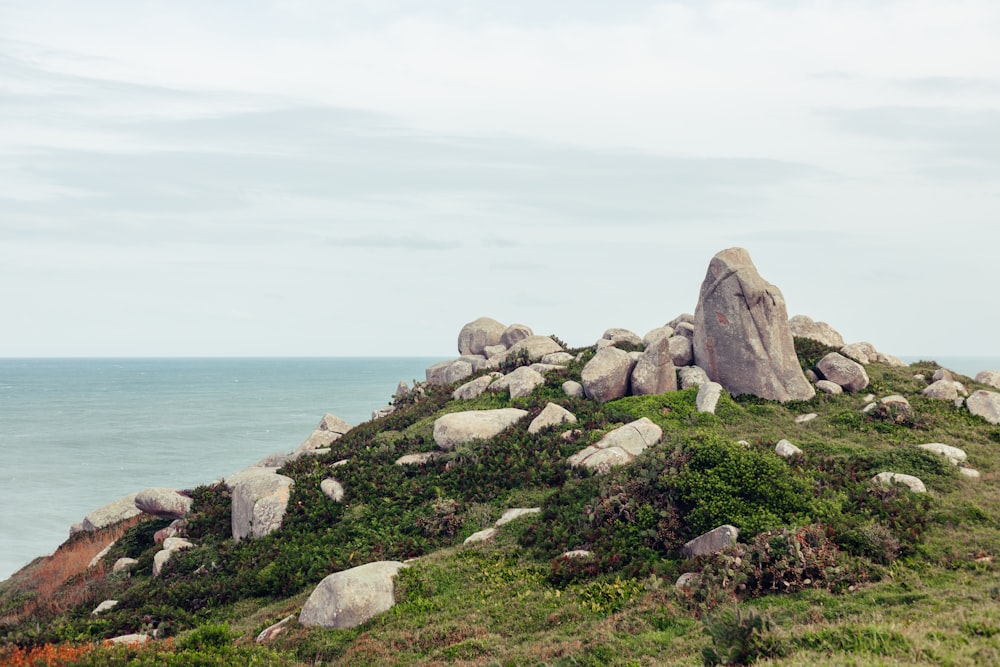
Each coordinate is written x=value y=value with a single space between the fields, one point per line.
x=76 y=434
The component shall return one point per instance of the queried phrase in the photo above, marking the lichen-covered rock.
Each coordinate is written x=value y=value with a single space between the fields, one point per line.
x=944 y=390
x=461 y=427
x=519 y=382
x=741 y=337
x=259 y=499
x=863 y=352
x=606 y=376
x=557 y=358
x=708 y=397
x=848 y=374
x=163 y=503
x=477 y=335
x=985 y=404
x=711 y=542
x=474 y=388
x=112 y=513
x=681 y=350
x=348 y=598
x=692 y=376
x=992 y=378
x=909 y=481
x=654 y=371
x=803 y=326
x=552 y=415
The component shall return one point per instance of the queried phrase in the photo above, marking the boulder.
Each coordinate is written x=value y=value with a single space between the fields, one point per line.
x=848 y=374
x=377 y=413
x=692 y=376
x=548 y=368
x=683 y=318
x=897 y=408
x=943 y=390
x=606 y=376
x=971 y=473
x=573 y=389
x=260 y=498
x=803 y=326
x=174 y=529
x=992 y=378
x=519 y=382
x=985 y=404
x=112 y=513
x=891 y=478
x=557 y=358
x=516 y=513
x=349 y=598
x=863 y=353
x=476 y=335
x=417 y=459
x=742 y=338
x=458 y=370
x=686 y=580
x=535 y=347
x=130 y=640
x=828 y=387
x=514 y=334
x=481 y=536
x=656 y=334
x=654 y=371
x=681 y=350
x=436 y=372
x=163 y=503
x=330 y=429
x=625 y=336
x=711 y=542
x=333 y=489
x=107 y=605
x=402 y=391
x=124 y=564
x=170 y=546
x=890 y=360
x=619 y=446
x=461 y=427
x=552 y=415
x=806 y=418
x=474 y=388
x=269 y=633
x=685 y=329
x=577 y=553
x=953 y=454
x=491 y=351
x=708 y=397
x=942 y=374
x=786 y=449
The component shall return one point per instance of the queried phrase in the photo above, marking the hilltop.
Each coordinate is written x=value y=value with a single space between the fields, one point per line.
x=734 y=486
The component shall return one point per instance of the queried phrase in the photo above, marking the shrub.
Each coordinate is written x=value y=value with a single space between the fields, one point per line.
x=740 y=637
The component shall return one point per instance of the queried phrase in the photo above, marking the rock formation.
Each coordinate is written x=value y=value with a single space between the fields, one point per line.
x=461 y=427
x=348 y=598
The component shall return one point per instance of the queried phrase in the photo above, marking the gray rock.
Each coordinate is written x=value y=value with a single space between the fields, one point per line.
x=333 y=489
x=124 y=564
x=110 y=514
x=943 y=390
x=863 y=353
x=985 y=404
x=378 y=413
x=171 y=545
x=897 y=407
x=457 y=371
x=686 y=580
x=971 y=473
x=330 y=429
x=953 y=454
x=557 y=358
x=519 y=382
x=606 y=376
x=536 y=347
x=260 y=498
x=685 y=329
x=96 y=560
x=577 y=553
x=516 y=513
x=617 y=335
x=786 y=449
x=681 y=350
x=803 y=326
x=890 y=360
x=683 y=318
x=130 y=640
x=573 y=389
x=461 y=427
x=481 y=536
x=708 y=397
x=477 y=335
x=805 y=419
x=163 y=503
x=992 y=378
x=692 y=376
x=654 y=371
x=552 y=415
x=514 y=334
x=417 y=459
x=177 y=544
x=436 y=372
x=491 y=351
x=402 y=390
x=548 y=368
x=848 y=374
x=742 y=338
x=107 y=605
x=711 y=542
x=349 y=598
x=269 y=633
x=942 y=374
x=600 y=460
x=890 y=478
x=619 y=446
x=656 y=334
x=474 y=388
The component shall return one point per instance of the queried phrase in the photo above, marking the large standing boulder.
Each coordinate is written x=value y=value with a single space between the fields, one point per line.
x=476 y=336
x=618 y=447
x=654 y=372
x=606 y=376
x=741 y=335
x=259 y=498
x=329 y=429
x=850 y=375
x=803 y=326
x=163 y=503
x=348 y=598
x=115 y=511
x=460 y=427
x=985 y=404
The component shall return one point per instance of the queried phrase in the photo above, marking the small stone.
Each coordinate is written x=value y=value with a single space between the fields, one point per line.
x=577 y=553
x=786 y=449
x=516 y=513
x=828 y=387
x=107 y=605
x=802 y=419
x=573 y=389
x=417 y=459
x=971 y=473
x=481 y=536
x=333 y=489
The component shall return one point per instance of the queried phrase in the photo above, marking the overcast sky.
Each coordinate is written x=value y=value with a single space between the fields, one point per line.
x=320 y=177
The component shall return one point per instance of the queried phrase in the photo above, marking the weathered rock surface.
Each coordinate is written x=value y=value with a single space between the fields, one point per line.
x=417 y=459
x=260 y=498
x=850 y=375
x=606 y=376
x=890 y=478
x=692 y=376
x=519 y=382
x=349 y=598
x=124 y=564
x=516 y=513
x=654 y=372
x=942 y=374
x=514 y=334
x=806 y=418
x=863 y=352
x=991 y=378
x=170 y=546
x=686 y=580
x=985 y=404
x=742 y=338
x=536 y=347
x=953 y=454
x=474 y=388
x=681 y=350
x=803 y=326
x=552 y=414
x=163 y=503
x=618 y=335
x=656 y=334
x=130 y=640
x=786 y=449
x=619 y=446
x=708 y=397
x=330 y=429
x=476 y=335
x=333 y=489
x=944 y=390
x=711 y=542
x=573 y=389
x=481 y=536
x=96 y=560
x=557 y=358
x=115 y=511
x=461 y=427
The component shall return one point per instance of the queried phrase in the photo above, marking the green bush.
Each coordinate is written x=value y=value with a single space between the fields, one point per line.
x=740 y=637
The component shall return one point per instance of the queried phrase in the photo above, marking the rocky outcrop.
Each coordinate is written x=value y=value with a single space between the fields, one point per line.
x=992 y=378
x=654 y=372
x=909 y=481
x=460 y=427
x=618 y=447
x=163 y=503
x=349 y=598
x=477 y=335
x=112 y=513
x=606 y=376
x=985 y=404
x=803 y=326
x=330 y=429
x=260 y=498
x=552 y=415
x=711 y=542
x=850 y=375
x=519 y=382
x=741 y=335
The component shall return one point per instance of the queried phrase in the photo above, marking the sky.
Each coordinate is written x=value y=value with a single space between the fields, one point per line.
x=345 y=178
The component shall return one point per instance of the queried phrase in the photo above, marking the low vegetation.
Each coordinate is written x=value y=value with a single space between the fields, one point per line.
x=829 y=569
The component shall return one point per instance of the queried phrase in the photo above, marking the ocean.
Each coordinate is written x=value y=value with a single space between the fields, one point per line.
x=76 y=434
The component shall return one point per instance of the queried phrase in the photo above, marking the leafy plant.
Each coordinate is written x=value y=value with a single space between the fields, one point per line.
x=740 y=637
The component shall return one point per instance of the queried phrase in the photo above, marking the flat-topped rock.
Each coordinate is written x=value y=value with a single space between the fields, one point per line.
x=163 y=503
x=618 y=447
x=461 y=427
x=909 y=481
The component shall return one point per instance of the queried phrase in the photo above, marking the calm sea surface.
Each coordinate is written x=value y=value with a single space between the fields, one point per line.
x=76 y=434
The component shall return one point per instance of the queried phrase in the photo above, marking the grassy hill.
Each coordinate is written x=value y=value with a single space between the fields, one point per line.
x=830 y=569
